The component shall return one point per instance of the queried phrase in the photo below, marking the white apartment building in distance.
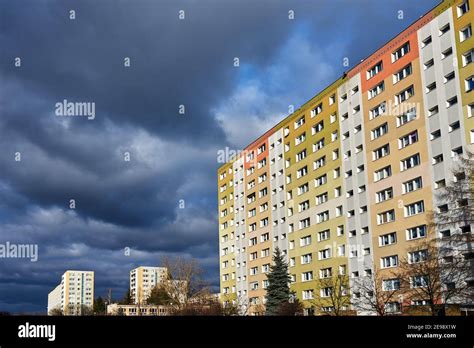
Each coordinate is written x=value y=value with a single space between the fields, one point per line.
x=143 y=280
x=74 y=295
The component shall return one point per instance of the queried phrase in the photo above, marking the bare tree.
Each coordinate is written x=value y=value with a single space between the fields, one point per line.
x=183 y=283
x=235 y=306
x=332 y=295
x=435 y=274
x=56 y=311
x=371 y=295
x=458 y=194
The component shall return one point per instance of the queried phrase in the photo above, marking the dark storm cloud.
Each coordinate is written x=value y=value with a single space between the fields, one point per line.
x=135 y=204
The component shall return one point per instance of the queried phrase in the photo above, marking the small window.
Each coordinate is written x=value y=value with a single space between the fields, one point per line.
x=449 y=77
x=444 y=29
x=453 y=126
x=436 y=134
x=447 y=53
x=463 y=8
x=469 y=84
x=465 y=33
x=426 y=41
x=431 y=87
x=428 y=64
x=452 y=101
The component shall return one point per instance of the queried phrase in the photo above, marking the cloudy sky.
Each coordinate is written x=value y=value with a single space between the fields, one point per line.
x=173 y=156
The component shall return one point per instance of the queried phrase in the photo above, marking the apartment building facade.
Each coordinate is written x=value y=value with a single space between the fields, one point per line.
x=74 y=295
x=344 y=185
x=142 y=280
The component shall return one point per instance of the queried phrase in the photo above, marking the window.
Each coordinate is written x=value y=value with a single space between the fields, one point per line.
x=323 y=235
x=376 y=90
x=306 y=276
x=325 y=273
x=426 y=42
x=453 y=126
x=389 y=261
x=387 y=239
x=302 y=172
x=304 y=223
x=463 y=8
x=265 y=252
x=305 y=259
x=303 y=206
x=318 y=145
x=322 y=198
x=384 y=195
x=326 y=292
x=386 y=217
x=431 y=87
x=469 y=83
x=322 y=217
x=444 y=29
x=416 y=232
x=393 y=307
x=401 y=52
x=452 y=101
x=306 y=240
x=412 y=185
x=324 y=254
x=317 y=110
x=408 y=139
x=410 y=115
x=417 y=256
x=438 y=159
x=299 y=122
x=405 y=95
x=299 y=139
x=435 y=135
x=449 y=77
x=381 y=152
x=332 y=99
x=468 y=57
x=403 y=73
x=383 y=173
x=428 y=64
x=319 y=163
x=446 y=53
x=320 y=180
x=410 y=162
x=379 y=131
x=418 y=281
x=391 y=284
x=465 y=33
x=300 y=155
x=307 y=294
x=433 y=111
x=318 y=127
x=414 y=208
x=375 y=70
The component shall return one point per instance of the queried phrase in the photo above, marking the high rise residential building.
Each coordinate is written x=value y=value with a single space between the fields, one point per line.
x=344 y=185
x=143 y=280
x=74 y=295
